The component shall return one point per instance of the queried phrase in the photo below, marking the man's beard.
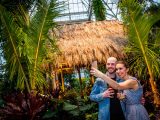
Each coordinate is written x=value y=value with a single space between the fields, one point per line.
x=111 y=71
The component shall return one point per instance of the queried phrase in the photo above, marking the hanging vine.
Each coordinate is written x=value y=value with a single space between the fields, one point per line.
x=99 y=10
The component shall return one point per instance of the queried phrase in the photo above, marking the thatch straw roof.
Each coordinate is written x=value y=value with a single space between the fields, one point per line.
x=81 y=43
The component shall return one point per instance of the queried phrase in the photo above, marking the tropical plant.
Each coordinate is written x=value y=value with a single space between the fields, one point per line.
x=99 y=10
x=28 y=106
x=71 y=107
x=27 y=43
x=146 y=58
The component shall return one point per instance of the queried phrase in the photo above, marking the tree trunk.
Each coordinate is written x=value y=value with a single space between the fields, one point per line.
x=62 y=80
x=155 y=91
x=80 y=81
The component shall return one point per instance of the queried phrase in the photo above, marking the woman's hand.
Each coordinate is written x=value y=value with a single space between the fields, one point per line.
x=121 y=96
x=96 y=72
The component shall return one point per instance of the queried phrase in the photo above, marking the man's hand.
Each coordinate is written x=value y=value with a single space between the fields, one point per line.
x=108 y=93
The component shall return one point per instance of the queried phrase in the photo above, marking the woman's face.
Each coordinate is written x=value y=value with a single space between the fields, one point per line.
x=121 y=70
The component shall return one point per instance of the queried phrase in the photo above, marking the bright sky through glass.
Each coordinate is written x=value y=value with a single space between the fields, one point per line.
x=78 y=10
x=74 y=10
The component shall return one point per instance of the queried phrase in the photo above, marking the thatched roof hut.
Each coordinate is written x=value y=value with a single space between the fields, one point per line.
x=81 y=43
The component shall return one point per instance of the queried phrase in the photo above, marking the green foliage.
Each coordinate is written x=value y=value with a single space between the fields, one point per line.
x=26 y=43
x=139 y=25
x=74 y=82
x=71 y=95
x=92 y=116
x=49 y=114
x=99 y=10
x=71 y=107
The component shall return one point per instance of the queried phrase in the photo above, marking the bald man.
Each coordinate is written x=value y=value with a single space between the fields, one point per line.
x=110 y=107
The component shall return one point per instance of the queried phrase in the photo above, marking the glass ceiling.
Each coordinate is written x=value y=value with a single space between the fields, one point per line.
x=80 y=10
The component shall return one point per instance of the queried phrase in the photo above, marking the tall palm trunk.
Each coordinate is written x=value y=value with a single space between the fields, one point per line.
x=155 y=91
x=139 y=25
x=152 y=83
x=80 y=81
x=146 y=59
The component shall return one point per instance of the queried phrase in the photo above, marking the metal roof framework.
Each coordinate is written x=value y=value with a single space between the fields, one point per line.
x=81 y=10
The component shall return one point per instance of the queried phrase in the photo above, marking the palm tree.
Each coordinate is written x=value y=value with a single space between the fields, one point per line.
x=27 y=41
x=146 y=55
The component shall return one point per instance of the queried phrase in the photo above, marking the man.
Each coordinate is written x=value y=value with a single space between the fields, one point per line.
x=110 y=107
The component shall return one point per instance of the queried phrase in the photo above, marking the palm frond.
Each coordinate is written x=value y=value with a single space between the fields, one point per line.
x=11 y=32
x=139 y=25
x=40 y=24
x=26 y=42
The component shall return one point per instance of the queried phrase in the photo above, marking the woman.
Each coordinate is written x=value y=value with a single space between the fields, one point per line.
x=132 y=89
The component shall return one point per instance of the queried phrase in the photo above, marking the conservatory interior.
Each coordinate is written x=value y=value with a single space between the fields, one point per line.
x=47 y=48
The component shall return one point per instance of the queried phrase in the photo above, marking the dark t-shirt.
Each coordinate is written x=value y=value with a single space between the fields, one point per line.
x=116 y=112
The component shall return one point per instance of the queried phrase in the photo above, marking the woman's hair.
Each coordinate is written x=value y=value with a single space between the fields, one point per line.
x=124 y=63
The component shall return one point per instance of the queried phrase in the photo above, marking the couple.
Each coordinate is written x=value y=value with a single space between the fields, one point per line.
x=130 y=107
